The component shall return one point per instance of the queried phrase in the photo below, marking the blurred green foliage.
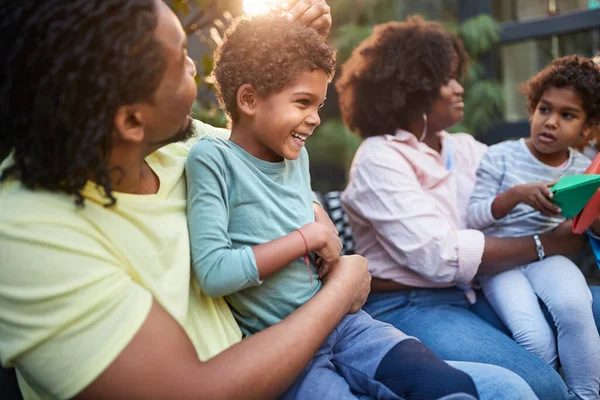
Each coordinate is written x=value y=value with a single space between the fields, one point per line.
x=331 y=150
x=333 y=146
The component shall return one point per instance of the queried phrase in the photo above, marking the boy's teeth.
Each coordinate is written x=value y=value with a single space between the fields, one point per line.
x=299 y=136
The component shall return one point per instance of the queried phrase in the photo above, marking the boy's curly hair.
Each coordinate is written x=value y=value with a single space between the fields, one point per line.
x=396 y=74
x=268 y=53
x=579 y=73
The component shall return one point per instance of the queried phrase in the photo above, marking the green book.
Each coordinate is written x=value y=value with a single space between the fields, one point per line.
x=572 y=193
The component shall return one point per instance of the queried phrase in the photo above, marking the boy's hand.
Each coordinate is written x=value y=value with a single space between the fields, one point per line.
x=313 y=13
x=322 y=217
x=538 y=196
x=323 y=268
x=323 y=241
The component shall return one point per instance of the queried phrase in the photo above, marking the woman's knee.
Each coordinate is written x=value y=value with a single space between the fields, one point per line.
x=412 y=371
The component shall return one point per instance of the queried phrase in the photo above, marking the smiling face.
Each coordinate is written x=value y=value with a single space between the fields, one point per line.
x=448 y=108
x=277 y=125
x=556 y=124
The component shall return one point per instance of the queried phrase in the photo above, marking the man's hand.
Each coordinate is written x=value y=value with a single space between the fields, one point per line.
x=352 y=273
x=538 y=196
x=313 y=13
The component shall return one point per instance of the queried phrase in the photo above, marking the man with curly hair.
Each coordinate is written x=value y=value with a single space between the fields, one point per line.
x=512 y=198
x=253 y=233
x=96 y=297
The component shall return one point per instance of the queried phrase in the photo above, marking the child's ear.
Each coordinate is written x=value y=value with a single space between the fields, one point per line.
x=587 y=132
x=247 y=98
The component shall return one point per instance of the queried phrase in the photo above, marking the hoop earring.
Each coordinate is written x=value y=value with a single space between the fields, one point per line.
x=424 y=128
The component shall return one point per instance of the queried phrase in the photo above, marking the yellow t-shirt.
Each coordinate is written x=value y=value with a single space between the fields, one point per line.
x=76 y=284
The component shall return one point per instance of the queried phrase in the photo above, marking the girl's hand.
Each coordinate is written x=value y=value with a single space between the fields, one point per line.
x=538 y=196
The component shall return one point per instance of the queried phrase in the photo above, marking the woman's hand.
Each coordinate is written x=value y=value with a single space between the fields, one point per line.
x=562 y=240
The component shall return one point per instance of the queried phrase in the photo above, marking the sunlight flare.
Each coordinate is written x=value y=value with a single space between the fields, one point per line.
x=255 y=7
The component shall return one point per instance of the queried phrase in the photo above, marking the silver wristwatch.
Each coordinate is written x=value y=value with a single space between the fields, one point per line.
x=539 y=248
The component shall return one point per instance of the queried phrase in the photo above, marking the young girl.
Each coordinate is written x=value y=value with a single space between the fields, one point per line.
x=512 y=197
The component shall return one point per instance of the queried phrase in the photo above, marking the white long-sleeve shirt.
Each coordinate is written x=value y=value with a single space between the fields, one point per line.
x=407 y=207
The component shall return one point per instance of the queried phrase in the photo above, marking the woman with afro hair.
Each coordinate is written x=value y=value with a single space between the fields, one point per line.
x=408 y=195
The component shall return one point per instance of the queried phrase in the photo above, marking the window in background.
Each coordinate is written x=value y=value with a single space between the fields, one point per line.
x=519 y=61
x=520 y=10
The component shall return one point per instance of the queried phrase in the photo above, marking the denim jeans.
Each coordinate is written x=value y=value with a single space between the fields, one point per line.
x=492 y=382
x=444 y=320
x=560 y=285
x=346 y=365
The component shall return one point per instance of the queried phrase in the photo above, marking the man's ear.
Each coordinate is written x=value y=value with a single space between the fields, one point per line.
x=247 y=99
x=129 y=124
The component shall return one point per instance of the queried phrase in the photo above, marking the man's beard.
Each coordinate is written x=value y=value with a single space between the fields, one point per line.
x=183 y=134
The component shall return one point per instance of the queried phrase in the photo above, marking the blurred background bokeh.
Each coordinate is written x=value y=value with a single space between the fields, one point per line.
x=508 y=41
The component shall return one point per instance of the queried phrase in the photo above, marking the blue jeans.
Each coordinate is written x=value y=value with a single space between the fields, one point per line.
x=492 y=382
x=349 y=366
x=455 y=330
x=560 y=285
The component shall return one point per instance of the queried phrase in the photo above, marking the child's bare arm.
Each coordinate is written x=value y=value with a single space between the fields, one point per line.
x=277 y=254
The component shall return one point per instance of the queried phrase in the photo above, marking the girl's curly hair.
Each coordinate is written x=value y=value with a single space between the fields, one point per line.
x=268 y=53
x=579 y=73
x=396 y=73
x=66 y=68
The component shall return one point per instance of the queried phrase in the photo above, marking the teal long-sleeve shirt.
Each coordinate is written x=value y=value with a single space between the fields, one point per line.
x=236 y=201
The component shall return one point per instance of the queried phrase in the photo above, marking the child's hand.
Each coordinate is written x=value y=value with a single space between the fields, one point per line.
x=323 y=268
x=323 y=241
x=322 y=217
x=538 y=196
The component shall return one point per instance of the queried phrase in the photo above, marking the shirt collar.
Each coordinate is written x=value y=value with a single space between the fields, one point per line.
x=410 y=139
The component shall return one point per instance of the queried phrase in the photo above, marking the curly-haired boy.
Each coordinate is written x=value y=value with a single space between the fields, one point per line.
x=509 y=201
x=252 y=224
